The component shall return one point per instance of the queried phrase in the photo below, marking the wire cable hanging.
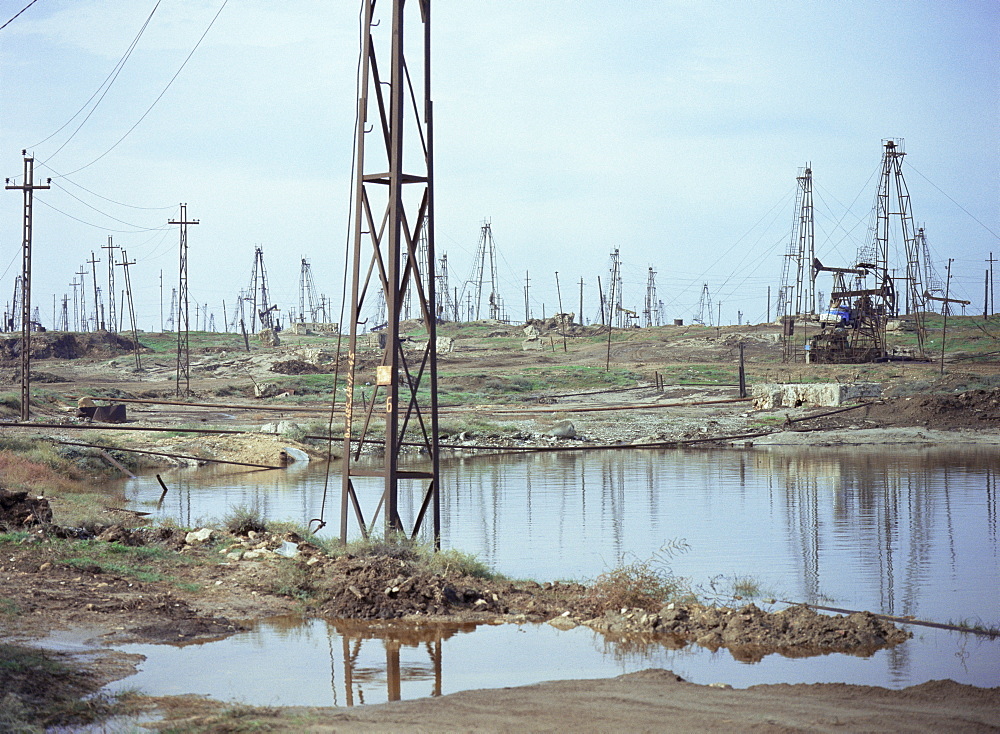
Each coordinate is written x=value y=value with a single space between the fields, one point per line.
x=155 y=101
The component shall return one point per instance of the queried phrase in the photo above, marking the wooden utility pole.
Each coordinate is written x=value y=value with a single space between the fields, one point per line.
x=562 y=315
x=131 y=309
x=944 y=325
x=82 y=272
x=183 y=320
x=98 y=323
x=28 y=187
x=993 y=302
x=581 y=303
x=527 y=309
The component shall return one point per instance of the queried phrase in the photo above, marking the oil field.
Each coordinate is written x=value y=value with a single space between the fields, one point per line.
x=627 y=454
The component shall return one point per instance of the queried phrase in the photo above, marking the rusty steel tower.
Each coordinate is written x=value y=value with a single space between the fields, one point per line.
x=393 y=211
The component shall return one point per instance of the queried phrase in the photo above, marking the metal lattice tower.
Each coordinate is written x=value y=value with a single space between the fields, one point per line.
x=63 y=322
x=797 y=300
x=445 y=306
x=486 y=250
x=651 y=310
x=183 y=314
x=263 y=310
x=877 y=255
x=393 y=208
x=112 y=314
x=307 y=293
x=704 y=307
x=932 y=282
x=805 y=283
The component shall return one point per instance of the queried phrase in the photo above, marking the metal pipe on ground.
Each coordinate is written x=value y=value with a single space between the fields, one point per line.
x=169 y=455
x=991 y=633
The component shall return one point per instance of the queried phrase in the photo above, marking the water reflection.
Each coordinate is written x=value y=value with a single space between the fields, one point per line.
x=900 y=531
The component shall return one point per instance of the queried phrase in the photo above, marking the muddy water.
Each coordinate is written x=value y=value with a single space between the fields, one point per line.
x=893 y=530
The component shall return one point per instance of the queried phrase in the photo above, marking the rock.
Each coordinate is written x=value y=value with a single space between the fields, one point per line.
x=269 y=338
x=197 y=537
x=532 y=345
x=562 y=429
x=563 y=623
x=531 y=331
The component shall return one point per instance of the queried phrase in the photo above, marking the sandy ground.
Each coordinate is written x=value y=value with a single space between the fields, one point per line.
x=659 y=701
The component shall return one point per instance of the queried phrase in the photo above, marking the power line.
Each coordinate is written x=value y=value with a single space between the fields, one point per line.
x=106 y=85
x=113 y=201
x=90 y=206
x=98 y=226
x=955 y=202
x=17 y=14
x=159 y=97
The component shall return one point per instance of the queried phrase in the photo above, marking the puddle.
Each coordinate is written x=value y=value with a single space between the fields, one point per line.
x=903 y=531
x=290 y=662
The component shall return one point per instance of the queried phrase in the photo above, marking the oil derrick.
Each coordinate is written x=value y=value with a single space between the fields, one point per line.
x=307 y=294
x=10 y=322
x=62 y=324
x=485 y=250
x=444 y=304
x=704 y=314
x=797 y=299
x=183 y=302
x=393 y=208
x=263 y=310
x=877 y=256
x=172 y=318
x=239 y=313
x=652 y=308
x=932 y=283
x=616 y=312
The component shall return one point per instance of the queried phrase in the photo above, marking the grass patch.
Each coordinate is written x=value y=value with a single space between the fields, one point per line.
x=94 y=556
x=15 y=536
x=241 y=520
x=641 y=584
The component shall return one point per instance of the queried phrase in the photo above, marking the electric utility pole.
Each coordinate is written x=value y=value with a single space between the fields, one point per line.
x=28 y=187
x=98 y=325
x=183 y=320
x=131 y=308
x=112 y=315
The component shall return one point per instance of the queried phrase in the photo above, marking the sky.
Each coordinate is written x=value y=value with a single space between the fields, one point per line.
x=671 y=130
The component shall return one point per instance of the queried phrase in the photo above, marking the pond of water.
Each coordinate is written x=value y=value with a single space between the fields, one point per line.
x=903 y=531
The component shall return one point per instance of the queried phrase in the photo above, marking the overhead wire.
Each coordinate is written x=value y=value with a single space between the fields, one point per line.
x=90 y=206
x=321 y=521
x=17 y=14
x=942 y=191
x=98 y=226
x=105 y=85
x=159 y=96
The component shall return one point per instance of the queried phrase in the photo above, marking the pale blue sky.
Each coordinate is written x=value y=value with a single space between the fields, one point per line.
x=671 y=130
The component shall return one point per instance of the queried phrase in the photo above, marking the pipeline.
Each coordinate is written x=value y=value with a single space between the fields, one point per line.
x=167 y=454
x=116 y=427
x=991 y=633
